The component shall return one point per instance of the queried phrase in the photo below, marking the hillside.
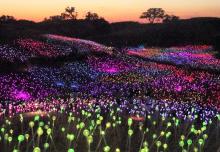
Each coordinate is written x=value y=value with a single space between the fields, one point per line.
x=203 y=30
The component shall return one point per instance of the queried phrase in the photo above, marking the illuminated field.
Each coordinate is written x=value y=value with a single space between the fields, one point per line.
x=158 y=99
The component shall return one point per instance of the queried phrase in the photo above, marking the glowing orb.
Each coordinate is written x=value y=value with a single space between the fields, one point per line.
x=178 y=88
x=21 y=95
x=110 y=70
x=74 y=85
x=60 y=84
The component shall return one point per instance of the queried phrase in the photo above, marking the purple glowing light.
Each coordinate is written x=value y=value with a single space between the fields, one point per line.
x=178 y=88
x=21 y=95
x=110 y=70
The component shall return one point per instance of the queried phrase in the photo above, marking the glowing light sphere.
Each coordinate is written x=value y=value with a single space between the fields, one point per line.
x=21 y=95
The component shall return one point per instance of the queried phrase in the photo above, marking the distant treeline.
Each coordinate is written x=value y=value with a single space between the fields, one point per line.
x=181 y=32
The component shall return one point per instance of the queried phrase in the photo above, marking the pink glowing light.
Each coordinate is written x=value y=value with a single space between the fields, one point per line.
x=21 y=95
x=110 y=70
x=178 y=88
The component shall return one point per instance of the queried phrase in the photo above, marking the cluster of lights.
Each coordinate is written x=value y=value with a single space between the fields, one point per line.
x=83 y=46
x=12 y=54
x=42 y=49
x=200 y=56
x=89 y=129
x=109 y=103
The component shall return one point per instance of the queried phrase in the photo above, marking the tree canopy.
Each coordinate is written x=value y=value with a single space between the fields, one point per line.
x=92 y=16
x=153 y=14
x=170 y=18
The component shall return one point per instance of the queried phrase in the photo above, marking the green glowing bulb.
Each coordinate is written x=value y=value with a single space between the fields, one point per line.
x=11 y=131
x=70 y=137
x=46 y=145
x=106 y=149
x=196 y=132
x=165 y=146
x=189 y=142
x=130 y=121
x=98 y=122
x=90 y=139
x=195 y=149
x=40 y=131
x=46 y=127
x=86 y=133
x=81 y=125
x=205 y=136
x=31 y=124
x=162 y=133
x=27 y=136
x=130 y=132
x=9 y=139
x=181 y=143
x=201 y=141
x=63 y=129
x=21 y=118
x=15 y=150
x=145 y=144
x=147 y=129
x=158 y=143
x=117 y=150
x=90 y=128
x=102 y=133
x=169 y=124
x=145 y=149
x=69 y=119
x=108 y=125
x=101 y=118
x=21 y=138
x=177 y=122
x=41 y=124
x=203 y=128
x=6 y=136
x=182 y=137
x=218 y=116
x=36 y=149
x=192 y=130
x=54 y=118
x=37 y=118
x=71 y=150
x=49 y=131
x=2 y=129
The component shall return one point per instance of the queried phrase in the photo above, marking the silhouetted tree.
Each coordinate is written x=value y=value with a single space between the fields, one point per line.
x=6 y=18
x=170 y=18
x=54 y=18
x=153 y=14
x=70 y=13
x=92 y=16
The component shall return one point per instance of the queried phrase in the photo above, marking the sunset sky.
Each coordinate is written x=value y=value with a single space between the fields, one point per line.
x=112 y=10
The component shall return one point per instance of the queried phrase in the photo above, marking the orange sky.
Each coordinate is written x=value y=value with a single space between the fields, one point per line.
x=112 y=10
